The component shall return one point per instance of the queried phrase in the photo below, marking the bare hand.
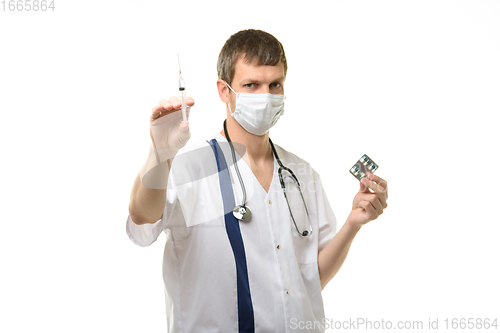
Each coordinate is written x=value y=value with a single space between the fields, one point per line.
x=367 y=206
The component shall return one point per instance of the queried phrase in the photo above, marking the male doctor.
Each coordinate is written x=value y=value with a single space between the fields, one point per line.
x=261 y=268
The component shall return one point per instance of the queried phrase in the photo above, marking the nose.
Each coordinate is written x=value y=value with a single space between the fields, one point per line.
x=265 y=89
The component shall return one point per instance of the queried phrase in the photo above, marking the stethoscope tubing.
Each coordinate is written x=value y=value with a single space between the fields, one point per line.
x=236 y=164
x=242 y=212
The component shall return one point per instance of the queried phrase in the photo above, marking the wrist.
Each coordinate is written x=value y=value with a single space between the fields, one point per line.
x=155 y=171
x=352 y=224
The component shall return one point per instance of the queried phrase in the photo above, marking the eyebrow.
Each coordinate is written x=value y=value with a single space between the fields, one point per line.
x=280 y=79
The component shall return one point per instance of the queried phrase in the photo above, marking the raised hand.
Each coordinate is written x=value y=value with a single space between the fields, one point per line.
x=368 y=206
x=168 y=132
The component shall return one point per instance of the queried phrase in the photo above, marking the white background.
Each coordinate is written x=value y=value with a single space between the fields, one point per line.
x=413 y=84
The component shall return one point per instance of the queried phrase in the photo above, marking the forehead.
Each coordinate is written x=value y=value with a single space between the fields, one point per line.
x=244 y=70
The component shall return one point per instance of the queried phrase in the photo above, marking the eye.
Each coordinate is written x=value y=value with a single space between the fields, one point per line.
x=275 y=85
x=249 y=85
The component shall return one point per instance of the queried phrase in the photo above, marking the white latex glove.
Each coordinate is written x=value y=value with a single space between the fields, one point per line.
x=168 y=134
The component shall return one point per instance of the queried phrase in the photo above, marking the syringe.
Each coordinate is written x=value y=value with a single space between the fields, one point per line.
x=182 y=89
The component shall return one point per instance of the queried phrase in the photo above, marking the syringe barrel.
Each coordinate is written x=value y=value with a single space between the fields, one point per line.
x=182 y=85
x=183 y=102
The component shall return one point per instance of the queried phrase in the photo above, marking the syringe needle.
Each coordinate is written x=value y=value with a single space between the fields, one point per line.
x=179 y=60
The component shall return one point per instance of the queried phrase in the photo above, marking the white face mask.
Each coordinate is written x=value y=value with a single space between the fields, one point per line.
x=257 y=113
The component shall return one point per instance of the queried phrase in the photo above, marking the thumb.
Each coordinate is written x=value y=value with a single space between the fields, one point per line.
x=184 y=132
x=363 y=185
x=184 y=126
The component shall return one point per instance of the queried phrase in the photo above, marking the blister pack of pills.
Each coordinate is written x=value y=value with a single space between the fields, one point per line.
x=362 y=166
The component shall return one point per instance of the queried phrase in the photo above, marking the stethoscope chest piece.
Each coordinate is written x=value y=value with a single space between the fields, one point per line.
x=242 y=212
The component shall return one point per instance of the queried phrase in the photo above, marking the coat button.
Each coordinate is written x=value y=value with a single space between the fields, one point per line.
x=278 y=247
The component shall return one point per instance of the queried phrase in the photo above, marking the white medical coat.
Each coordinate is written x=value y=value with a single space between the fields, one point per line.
x=198 y=265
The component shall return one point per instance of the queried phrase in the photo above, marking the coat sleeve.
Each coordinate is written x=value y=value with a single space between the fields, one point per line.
x=326 y=217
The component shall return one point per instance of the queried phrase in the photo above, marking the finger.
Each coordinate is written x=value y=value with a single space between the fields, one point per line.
x=175 y=102
x=382 y=197
x=364 y=185
x=363 y=188
x=160 y=111
x=375 y=201
x=182 y=137
x=378 y=190
x=165 y=104
x=367 y=206
x=184 y=132
x=156 y=109
x=156 y=112
x=380 y=181
x=189 y=101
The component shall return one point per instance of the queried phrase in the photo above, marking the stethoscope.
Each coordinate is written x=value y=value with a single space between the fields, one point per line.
x=243 y=212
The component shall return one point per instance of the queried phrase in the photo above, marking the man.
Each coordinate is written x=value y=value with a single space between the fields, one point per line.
x=262 y=267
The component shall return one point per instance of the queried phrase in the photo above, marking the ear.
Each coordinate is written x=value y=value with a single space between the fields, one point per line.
x=223 y=91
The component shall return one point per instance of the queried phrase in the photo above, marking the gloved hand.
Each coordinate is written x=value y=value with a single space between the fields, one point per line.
x=168 y=134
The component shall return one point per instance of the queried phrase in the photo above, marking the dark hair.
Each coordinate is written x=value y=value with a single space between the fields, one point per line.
x=255 y=46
